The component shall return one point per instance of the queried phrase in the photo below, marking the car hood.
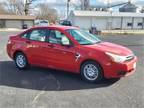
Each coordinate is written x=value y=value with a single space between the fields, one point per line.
x=111 y=48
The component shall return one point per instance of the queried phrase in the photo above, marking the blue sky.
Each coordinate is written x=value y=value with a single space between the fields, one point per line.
x=61 y=4
x=102 y=2
x=98 y=2
x=93 y=2
x=62 y=9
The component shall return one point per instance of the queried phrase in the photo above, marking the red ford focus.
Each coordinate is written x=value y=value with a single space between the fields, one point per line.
x=72 y=50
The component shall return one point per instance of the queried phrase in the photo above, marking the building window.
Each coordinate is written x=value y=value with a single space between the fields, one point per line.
x=129 y=24
x=139 y=24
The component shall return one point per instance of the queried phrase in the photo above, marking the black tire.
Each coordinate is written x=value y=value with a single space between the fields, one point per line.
x=98 y=72
x=19 y=65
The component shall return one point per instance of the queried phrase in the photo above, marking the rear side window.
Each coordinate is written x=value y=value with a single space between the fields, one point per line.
x=38 y=35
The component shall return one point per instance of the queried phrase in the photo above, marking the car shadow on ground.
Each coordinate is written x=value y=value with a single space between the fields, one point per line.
x=45 y=79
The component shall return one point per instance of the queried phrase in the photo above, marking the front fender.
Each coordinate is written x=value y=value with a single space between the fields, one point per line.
x=97 y=56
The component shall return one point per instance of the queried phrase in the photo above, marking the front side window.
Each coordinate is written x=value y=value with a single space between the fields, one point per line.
x=57 y=37
x=83 y=37
x=38 y=35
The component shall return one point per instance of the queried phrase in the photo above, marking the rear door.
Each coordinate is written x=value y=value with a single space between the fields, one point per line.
x=35 y=44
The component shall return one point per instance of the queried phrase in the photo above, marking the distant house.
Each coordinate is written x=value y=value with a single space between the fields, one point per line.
x=16 y=21
x=107 y=20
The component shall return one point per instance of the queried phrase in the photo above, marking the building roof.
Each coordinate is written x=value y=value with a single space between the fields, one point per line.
x=17 y=17
x=106 y=14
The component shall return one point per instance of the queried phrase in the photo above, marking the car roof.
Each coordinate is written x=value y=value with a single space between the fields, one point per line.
x=57 y=27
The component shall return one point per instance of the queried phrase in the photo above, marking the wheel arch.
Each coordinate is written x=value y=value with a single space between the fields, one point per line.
x=18 y=51
x=27 y=65
x=87 y=60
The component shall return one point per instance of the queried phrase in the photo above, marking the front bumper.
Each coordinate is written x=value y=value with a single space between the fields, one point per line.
x=115 y=70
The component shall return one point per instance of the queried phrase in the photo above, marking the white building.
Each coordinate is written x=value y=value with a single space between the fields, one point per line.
x=107 y=20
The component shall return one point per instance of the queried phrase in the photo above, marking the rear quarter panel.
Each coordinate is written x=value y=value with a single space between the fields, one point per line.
x=16 y=44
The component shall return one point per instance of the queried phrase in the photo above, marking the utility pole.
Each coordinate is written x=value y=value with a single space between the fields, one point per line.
x=27 y=6
x=68 y=5
x=86 y=4
x=108 y=4
x=26 y=10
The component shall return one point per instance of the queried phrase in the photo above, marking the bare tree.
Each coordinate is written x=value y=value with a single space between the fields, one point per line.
x=84 y=4
x=46 y=13
x=20 y=7
x=2 y=10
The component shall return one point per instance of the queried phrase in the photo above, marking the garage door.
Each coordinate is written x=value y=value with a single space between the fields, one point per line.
x=13 y=24
x=29 y=23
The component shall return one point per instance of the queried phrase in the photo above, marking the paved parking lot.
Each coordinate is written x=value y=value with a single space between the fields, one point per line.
x=45 y=88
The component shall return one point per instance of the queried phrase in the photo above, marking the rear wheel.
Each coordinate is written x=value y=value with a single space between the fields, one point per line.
x=21 y=61
x=91 y=71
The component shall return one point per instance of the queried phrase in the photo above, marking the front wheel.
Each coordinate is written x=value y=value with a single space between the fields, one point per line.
x=21 y=61
x=91 y=71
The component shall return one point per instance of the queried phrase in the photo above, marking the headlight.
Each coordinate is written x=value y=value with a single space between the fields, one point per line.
x=117 y=58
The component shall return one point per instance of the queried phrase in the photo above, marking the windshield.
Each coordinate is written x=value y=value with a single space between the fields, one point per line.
x=83 y=37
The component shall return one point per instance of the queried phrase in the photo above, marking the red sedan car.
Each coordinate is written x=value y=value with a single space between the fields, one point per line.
x=72 y=50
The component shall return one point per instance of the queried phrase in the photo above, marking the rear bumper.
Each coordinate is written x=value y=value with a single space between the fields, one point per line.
x=9 y=52
x=115 y=70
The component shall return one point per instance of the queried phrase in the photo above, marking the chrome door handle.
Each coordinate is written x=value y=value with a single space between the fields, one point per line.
x=77 y=56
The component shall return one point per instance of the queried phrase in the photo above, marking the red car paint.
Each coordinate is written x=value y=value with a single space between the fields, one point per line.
x=61 y=57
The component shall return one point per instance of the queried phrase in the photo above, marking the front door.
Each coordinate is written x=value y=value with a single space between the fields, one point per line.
x=60 y=56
